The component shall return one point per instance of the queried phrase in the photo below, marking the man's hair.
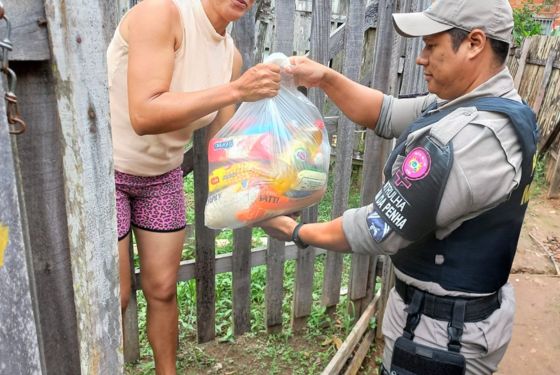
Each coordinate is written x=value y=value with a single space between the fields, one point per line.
x=500 y=48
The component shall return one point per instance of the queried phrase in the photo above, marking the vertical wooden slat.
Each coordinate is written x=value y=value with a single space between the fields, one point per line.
x=303 y=292
x=131 y=336
x=241 y=280
x=377 y=149
x=274 y=292
x=205 y=245
x=19 y=342
x=244 y=36
x=353 y=41
x=388 y=283
x=522 y=62
x=303 y=298
x=544 y=83
x=79 y=41
x=554 y=188
x=43 y=185
x=29 y=31
x=284 y=27
x=283 y=42
x=412 y=75
x=319 y=45
x=355 y=26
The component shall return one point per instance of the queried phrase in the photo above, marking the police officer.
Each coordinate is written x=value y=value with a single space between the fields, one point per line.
x=455 y=192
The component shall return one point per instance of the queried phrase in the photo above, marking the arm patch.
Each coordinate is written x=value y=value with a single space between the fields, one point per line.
x=409 y=201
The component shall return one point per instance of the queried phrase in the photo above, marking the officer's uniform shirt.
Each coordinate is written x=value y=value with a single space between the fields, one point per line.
x=486 y=168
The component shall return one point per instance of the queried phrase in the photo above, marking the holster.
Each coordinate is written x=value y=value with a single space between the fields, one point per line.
x=410 y=358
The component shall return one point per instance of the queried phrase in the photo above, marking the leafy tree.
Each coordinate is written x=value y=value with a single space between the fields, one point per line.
x=525 y=24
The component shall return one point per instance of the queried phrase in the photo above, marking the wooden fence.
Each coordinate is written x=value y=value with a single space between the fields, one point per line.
x=535 y=67
x=63 y=171
x=353 y=44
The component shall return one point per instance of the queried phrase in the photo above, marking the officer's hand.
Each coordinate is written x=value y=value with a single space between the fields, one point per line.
x=279 y=227
x=306 y=72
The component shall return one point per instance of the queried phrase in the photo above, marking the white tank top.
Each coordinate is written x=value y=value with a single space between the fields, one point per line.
x=204 y=60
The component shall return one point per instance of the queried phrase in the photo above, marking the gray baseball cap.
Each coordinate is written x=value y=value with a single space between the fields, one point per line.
x=494 y=17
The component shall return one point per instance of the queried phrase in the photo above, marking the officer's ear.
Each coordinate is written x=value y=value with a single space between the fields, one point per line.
x=476 y=41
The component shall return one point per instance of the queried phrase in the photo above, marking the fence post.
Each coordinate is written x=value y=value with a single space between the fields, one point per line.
x=353 y=41
x=522 y=62
x=79 y=42
x=283 y=42
x=205 y=267
x=303 y=288
x=544 y=83
x=244 y=35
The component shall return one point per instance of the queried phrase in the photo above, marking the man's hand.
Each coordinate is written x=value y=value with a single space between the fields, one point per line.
x=279 y=227
x=259 y=82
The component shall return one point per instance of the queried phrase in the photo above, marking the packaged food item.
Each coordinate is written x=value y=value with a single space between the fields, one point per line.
x=271 y=158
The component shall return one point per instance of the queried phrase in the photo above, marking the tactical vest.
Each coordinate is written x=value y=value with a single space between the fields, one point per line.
x=478 y=255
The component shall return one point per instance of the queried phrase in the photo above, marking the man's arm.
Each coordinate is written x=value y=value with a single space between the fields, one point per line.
x=153 y=29
x=361 y=104
x=328 y=235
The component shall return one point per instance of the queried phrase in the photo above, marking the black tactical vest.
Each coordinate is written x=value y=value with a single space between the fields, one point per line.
x=477 y=256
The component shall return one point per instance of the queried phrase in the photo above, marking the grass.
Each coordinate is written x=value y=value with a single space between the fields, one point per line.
x=256 y=352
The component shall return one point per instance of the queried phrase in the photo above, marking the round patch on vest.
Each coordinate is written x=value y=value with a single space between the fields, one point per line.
x=417 y=164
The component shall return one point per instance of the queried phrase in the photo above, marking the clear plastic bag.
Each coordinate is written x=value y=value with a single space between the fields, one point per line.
x=271 y=158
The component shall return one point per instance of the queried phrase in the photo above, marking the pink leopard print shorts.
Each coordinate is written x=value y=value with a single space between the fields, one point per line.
x=154 y=203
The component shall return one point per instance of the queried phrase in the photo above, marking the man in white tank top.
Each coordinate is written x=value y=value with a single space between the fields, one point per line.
x=172 y=68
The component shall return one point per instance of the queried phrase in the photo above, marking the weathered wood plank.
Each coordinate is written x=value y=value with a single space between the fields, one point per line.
x=303 y=292
x=243 y=34
x=283 y=42
x=19 y=342
x=522 y=62
x=131 y=334
x=79 y=42
x=274 y=292
x=43 y=185
x=319 y=45
x=303 y=289
x=388 y=277
x=336 y=39
x=337 y=362
x=360 y=354
x=554 y=188
x=284 y=27
x=29 y=30
x=544 y=83
x=241 y=280
x=224 y=263
x=354 y=36
x=205 y=245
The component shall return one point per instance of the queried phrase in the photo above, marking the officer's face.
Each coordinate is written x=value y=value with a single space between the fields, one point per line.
x=446 y=71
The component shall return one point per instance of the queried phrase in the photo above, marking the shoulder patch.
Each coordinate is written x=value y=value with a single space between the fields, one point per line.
x=409 y=200
x=417 y=163
x=378 y=228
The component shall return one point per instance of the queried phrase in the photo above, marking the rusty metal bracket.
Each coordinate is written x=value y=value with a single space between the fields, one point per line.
x=15 y=121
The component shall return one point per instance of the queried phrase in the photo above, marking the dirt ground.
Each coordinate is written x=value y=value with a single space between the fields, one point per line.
x=535 y=346
x=534 y=349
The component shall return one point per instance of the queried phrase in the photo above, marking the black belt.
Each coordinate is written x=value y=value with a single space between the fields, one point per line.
x=441 y=308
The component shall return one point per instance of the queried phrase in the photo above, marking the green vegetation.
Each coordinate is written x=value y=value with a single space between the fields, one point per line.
x=256 y=352
x=525 y=24
x=539 y=180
